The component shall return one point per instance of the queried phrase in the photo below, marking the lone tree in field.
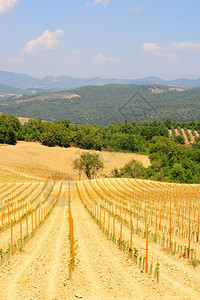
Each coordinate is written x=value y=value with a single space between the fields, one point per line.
x=89 y=163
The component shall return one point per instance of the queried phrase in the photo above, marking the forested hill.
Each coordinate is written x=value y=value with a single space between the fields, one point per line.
x=9 y=92
x=108 y=104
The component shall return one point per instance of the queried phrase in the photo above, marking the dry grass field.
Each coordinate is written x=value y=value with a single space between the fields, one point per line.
x=43 y=162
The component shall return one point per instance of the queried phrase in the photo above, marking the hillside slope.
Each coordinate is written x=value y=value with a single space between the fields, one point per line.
x=40 y=161
x=110 y=104
x=9 y=92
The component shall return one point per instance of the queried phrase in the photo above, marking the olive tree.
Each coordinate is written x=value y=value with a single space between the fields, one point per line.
x=89 y=163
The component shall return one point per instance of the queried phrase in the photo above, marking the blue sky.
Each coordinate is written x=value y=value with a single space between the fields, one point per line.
x=107 y=38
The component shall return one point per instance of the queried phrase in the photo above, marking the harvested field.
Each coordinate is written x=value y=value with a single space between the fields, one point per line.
x=43 y=162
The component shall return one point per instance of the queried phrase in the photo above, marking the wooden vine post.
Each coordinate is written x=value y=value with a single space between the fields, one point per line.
x=131 y=240
x=35 y=218
x=72 y=243
x=39 y=216
x=71 y=240
x=27 y=224
x=160 y=220
x=108 y=224
x=18 y=211
x=145 y=216
x=120 y=241
x=14 y=212
x=156 y=226
x=32 y=223
x=2 y=218
x=113 y=226
x=71 y=237
x=189 y=229
x=100 y=217
x=8 y=212
x=11 y=242
x=147 y=235
x=20 y=230
x=182 y=224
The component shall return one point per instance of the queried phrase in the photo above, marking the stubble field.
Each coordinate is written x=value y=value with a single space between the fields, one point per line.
x=36 y=160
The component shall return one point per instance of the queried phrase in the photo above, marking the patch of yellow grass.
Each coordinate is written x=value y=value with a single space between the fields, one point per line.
x=7 y=175
x=40 y=161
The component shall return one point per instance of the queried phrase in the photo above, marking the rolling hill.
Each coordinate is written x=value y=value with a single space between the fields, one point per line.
x=8 y=92
x=109 y=104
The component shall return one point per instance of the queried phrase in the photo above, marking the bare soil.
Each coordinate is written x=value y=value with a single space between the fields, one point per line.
x=102 y=271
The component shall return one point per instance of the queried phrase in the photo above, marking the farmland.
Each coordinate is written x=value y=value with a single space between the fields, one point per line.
x=110 y=218
x=189 y=136
x=109 y=262
x=39 y=162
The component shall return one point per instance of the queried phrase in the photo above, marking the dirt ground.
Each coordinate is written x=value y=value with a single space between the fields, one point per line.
x=102 y=271
x=41 y=272
x=40 y=161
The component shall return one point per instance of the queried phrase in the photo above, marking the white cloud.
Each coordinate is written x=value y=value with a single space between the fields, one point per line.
x=75 y=52
x=95 y=2
x=7 y=5
x=73 y=61
x=171 y=49
x=134 y=9
x=16 y=59
x=101 y=58
x=186 y=46
x=47 y=41
x=152 y=48
x=173 y=56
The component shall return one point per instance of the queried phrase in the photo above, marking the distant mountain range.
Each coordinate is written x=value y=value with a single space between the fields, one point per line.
x=26 y=82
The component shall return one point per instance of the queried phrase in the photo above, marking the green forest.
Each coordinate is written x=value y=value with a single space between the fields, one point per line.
x=113 y=103
x=170 y=159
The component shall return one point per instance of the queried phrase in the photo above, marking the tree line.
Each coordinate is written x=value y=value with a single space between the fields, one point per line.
x=9 y=129
x=170 y=159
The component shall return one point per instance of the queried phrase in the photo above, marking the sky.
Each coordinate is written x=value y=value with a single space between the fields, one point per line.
x=107 y=38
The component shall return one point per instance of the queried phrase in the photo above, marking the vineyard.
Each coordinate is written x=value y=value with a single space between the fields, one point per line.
x=189 y=136
x=24 y=207
x=164 y=214
x=102 y=237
